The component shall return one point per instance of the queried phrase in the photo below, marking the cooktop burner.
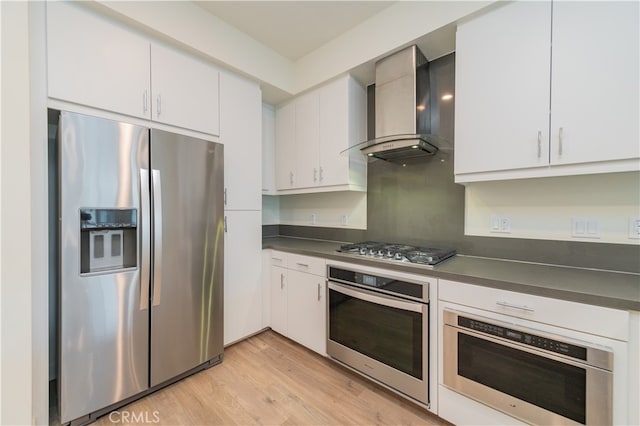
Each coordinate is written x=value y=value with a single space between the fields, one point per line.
x=398 y=252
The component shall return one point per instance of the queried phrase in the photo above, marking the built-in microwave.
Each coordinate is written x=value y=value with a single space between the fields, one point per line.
x=537 y=377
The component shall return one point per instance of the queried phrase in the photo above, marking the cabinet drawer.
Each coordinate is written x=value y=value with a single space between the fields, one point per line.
x=310 y=265
x=279 y=258
x=607 y=322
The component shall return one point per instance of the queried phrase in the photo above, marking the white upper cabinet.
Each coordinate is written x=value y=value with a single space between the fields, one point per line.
x=241 y=133
x=98 y=62
x=185 y=91
x=285 y=148
x=306 y=139
x=537 y=96
x=94 y=61
x=594 y=89
x=312 y=131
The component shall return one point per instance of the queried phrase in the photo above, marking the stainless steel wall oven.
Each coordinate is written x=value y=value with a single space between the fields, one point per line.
x=379 y=325
x=538 y=377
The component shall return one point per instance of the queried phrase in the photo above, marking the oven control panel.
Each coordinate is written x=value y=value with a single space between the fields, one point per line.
x=528 y=339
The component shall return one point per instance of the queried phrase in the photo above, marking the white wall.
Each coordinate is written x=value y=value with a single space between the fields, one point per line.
x=543 y=208
x=15 y=222
x=270 y=210
x=328 y=208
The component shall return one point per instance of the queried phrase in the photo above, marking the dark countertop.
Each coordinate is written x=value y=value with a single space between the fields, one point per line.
x=618 y=290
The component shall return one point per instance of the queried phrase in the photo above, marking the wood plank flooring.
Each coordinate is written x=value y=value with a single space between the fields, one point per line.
x=270 y=380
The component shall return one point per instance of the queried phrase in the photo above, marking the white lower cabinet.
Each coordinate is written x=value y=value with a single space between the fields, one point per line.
x=242 y=274
x=306 y=310
x=298 y=299
x=279 y=288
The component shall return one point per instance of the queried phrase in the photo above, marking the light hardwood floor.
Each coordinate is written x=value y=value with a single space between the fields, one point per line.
x=270 y=380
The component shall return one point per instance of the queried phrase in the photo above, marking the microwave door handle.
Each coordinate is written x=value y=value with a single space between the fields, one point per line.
x=145 y=239
x=377 y=298
x=156 y=186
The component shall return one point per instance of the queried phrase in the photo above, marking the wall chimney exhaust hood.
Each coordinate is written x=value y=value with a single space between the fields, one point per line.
x=402 y=108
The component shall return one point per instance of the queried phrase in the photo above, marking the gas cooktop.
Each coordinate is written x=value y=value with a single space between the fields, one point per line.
x=398 y=252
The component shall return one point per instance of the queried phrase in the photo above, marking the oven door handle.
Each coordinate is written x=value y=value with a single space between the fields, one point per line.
x=377 y=298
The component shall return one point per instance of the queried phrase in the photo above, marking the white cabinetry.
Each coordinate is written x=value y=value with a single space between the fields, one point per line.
x=311 y=132
x=524 y=109
x=98 y=62
x=240 y=131
x=298 y=299
x=185 y=91
x=268 y=149
x=87 y=54
x=242 y=274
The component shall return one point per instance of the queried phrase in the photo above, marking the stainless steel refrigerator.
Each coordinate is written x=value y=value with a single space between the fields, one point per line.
x=140 y=261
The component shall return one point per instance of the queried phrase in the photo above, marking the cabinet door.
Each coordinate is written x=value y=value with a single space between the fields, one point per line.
x=185 y=91
x=502 y=88
x=307 y=310
x=306 y=140
x=242 y=284
x=285 y=146
x=240 y=131
x=85 y=56
x=279 y=288
x=334 y=133
x=594 y=93
x=268 y=149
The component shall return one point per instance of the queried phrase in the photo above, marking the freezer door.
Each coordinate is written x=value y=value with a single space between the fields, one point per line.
x=104 y=323
x=187 y=274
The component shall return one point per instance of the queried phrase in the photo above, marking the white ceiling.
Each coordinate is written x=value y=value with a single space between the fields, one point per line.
x=294 y=28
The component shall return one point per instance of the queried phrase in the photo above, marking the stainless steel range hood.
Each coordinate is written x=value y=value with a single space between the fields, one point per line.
x=402 y=108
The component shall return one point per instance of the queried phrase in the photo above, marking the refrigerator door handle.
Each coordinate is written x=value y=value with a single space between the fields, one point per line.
x=145 y=236
x=157 y=234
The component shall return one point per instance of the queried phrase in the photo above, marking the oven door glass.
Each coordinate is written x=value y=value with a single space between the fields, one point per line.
x=544 y=382
x=387 y=334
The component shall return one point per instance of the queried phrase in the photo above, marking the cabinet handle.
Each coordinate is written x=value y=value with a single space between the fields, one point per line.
x=319 y=291
x=291 y=178
x=321 y=171
x=304 y=265
x=539 y=143
x=315 y=175
x=158 y=105
x=225 y=196
x=281 y=281
x=225 y=224
x=560 y=138
x=511 y=305
x=145 y=106
x=279 y=259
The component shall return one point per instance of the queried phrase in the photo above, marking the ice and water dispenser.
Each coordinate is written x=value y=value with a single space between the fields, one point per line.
x=108 y=239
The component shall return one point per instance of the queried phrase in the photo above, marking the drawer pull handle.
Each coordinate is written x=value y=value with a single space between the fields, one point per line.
x=278 y=259
x=281 y=281
x=511 y=305
x=304 y=265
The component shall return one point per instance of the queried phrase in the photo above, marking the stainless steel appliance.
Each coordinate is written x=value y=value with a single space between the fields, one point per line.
x=538 y=377
x=140 y=261
x=428 y=256
x=378 y=324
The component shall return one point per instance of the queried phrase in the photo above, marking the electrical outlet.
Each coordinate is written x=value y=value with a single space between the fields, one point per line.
x=500 y=224
x=583 y=227
x=634 y=227
x=344 y=219
x=313 y=218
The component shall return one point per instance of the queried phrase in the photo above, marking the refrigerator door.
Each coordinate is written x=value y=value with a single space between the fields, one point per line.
x=104 y=323
x=187 y=197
